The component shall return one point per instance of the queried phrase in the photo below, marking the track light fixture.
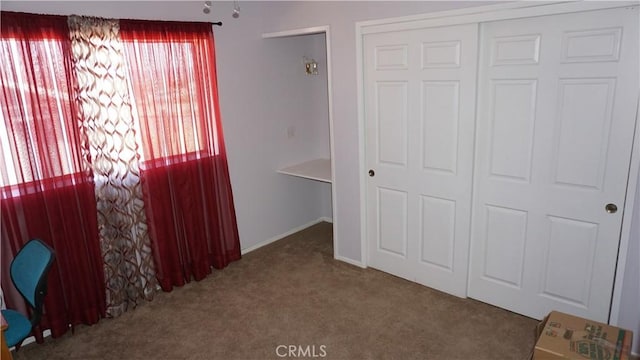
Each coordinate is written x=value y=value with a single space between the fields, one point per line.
x=207 y=7
x=236 y=10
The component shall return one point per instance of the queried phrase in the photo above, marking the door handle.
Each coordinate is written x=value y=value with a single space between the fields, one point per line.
x=372 y=173
x=611 y=208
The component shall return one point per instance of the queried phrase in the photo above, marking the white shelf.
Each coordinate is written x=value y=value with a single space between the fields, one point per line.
x=317 y=169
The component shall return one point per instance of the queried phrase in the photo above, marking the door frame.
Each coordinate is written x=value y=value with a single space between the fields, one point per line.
x=478 y=15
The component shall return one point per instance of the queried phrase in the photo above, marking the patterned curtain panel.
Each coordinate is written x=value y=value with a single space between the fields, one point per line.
x=109 y=128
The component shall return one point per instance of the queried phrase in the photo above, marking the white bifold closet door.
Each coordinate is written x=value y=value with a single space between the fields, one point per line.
x=419 y=116
x=557 y=99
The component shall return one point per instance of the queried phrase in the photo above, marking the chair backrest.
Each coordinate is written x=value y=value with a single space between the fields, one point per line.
x=29 y=270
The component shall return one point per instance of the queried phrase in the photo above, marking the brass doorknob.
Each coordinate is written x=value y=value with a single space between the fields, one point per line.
x=611 y=208
x=372 y=173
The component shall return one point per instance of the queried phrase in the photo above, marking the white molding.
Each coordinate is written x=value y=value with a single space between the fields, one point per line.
x=514 y=10
x=351 y=262
x=364 y=244
x=32 y=339
x=474 y=10
x=281 y=236
x=296 y=32
x=325 y=219
x=332 y=148
x=627 y=221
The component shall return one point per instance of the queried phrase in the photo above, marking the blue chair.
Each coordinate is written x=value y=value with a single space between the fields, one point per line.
x=28 y=271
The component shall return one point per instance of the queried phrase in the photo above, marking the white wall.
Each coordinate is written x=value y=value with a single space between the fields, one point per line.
x=269 y=204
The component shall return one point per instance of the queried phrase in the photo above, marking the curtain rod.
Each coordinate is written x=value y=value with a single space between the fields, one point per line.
x=219 y=23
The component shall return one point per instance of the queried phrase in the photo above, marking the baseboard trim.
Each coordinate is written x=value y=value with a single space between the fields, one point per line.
x=325 y=219
x=32 y=339
x=351 y=262
x=284 y=235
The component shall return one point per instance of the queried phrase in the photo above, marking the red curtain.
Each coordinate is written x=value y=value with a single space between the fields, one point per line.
x=185 y=178
x=47 y=190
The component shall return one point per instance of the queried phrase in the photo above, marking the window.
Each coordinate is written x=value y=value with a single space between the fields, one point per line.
x=37 y=134
x=171 y=100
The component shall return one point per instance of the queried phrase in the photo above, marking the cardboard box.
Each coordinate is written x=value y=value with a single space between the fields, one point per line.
x=563 y=336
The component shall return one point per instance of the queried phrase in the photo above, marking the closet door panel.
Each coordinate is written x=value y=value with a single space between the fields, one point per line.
x=419 y=107
x=389 y=119
x=556 y=117
x=440 y=123
x=512 y=112
x=437 y=232
x=506 y=234
x=444 y=152
x=582 y=132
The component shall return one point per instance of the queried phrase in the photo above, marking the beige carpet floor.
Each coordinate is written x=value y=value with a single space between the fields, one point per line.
x=293 y=292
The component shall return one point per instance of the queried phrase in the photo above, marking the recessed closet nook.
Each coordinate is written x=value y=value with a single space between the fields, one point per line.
x=301 y=97
x=498 y=152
